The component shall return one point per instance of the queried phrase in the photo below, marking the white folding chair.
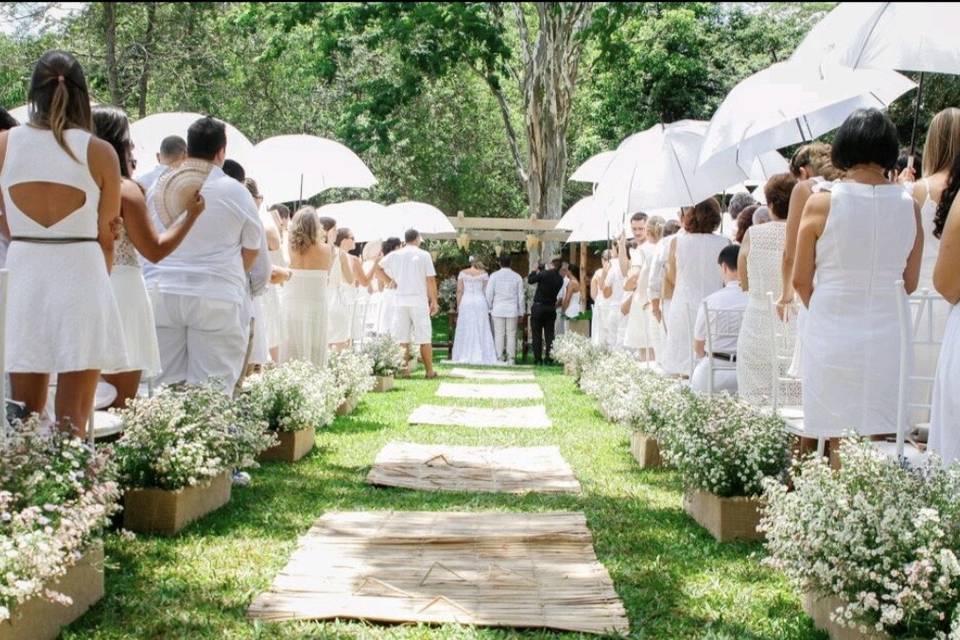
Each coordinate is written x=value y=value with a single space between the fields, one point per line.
x=720 y=325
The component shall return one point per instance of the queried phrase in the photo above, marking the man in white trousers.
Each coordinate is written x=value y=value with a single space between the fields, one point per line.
x=505 y=295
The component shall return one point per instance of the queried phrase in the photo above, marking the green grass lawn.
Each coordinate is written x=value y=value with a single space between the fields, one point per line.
x=676 y=582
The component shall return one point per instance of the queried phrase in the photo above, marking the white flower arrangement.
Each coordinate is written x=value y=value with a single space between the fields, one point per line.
x=293 y=396
x=882 y=538
x=352 y=374
x=56 y=496
x=386 y=354
x=577 y=351
x=724 y=446
x=185 y=435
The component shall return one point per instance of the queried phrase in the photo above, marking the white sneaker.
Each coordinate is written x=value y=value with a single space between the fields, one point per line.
x=241 y=478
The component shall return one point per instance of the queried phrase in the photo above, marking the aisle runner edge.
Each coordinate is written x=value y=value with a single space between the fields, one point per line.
x=533 y=417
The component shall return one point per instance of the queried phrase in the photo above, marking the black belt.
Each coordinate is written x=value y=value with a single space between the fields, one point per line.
x=34 y=240
x=729 y=357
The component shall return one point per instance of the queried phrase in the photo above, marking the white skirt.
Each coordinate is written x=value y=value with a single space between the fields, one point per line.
x=343 y=304
x=139 y=328
x=305 y=303
x=273 y=317
x=260 y=353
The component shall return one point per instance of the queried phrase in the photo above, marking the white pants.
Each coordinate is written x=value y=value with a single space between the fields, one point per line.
x=724 y=376
x=200 y=339
x=415 y=318
x=505 y=337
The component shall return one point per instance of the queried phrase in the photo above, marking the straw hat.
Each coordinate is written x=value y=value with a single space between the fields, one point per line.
x=372 y=249
x=177 y=187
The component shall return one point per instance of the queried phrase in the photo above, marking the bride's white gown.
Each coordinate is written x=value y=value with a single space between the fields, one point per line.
x=473 y=340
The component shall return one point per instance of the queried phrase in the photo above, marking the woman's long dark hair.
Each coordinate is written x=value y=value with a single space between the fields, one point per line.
x=111 y=125
x=59 y=99
x=947 y=198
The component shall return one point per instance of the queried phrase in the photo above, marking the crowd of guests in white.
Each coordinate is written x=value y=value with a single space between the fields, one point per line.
x=101 y=288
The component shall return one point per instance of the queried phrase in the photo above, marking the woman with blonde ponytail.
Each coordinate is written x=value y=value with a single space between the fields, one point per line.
x=59 y=195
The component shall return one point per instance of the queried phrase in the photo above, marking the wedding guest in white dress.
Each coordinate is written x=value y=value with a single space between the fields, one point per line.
x=761 y=254
x=257 y=283
x=200 y=292
x=570 y=305
x=6 y=122
x=505 y=295
x=305 y=296
x=270 y=301
x=411 y=268
x=659 y=305
x=944 y=437
x=60 y=190
x=728 y=304
x=613 y=295
x=173 y=151
x=343 y=291
x=136 y=239
x=598 y=322
x=859 y=240
x=692 y=273
x=388 y=289
x=473 y=339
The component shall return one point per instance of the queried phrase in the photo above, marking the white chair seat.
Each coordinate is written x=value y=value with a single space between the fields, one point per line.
x=106 y=424
x=914 y=456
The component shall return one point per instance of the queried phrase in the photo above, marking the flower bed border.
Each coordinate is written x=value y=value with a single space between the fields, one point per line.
x=41 y=619
x=727 y=519
x=293 y=445
x=383 y=384
x=646 y=450
x=167 y=512
x=820 y=607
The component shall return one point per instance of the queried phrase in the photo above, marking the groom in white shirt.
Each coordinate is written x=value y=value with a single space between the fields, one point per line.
x=505 y=295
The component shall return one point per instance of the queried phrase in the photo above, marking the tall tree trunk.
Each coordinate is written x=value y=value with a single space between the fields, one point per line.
x=147 y=53
x=110 y=35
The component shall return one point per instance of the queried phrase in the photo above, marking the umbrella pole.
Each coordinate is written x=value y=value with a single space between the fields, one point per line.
x=300 y=201
x=916 y=118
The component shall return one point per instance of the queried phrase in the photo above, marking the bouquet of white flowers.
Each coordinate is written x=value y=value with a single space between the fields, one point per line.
x=56 y=496
x=293 y=396
x=352 y=374
x=576 y=351
x=723 y=446
x=185 y=435
x=610 y=380
x=882 y=538
x=386 y=354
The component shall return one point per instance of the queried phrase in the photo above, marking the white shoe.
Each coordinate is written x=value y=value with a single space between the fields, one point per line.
x=241 y=478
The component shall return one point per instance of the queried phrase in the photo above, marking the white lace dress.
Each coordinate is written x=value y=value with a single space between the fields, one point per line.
x=343 y=304
x=305 y=300
x=754 y=357
x=473 y=341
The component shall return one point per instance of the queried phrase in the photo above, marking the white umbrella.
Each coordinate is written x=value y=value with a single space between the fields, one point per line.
x=578 y=214
x=658 y=168
x=297 y=167
x=765 y=165
x=790 y=102
x=149 y=132
x=367 y=220
x=593 y=167
x=423 y=217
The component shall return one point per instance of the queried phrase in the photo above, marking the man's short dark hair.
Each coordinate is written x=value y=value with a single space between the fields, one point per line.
x=639 y=215
x=235 y=170
x=282 y=210
x=867 y=136
x=173 y=147
x=205 y=138
x=557 y=263
x=412 y=235
x=728 y=256
x=574 y=271
x=7 y=121
x=505 y=260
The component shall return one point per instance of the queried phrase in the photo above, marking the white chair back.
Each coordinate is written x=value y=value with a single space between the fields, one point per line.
x=720 y=325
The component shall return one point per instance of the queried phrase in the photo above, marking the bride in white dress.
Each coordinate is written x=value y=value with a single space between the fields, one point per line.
x=473 y=341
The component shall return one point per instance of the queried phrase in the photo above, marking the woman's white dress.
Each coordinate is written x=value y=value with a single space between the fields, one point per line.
x=272 y=306
x=944 y=439
x=598 y=321
x=616 y=322
x=698 y=275
x=473 y=340
x=643 y=331
x=61 y=311
x=305 y=302
x=760 y=320
x=343 y=303
x=851 y=335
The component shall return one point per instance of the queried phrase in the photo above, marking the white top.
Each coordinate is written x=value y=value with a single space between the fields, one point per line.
x=505 y=293
x=149 y=178
x=658 y=269
x=726 y=325
x=410 y=267
x=208 y=262
x=615 y=280
x=931 y=243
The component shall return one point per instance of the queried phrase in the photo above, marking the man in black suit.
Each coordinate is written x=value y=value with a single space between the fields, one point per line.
x=543 y=314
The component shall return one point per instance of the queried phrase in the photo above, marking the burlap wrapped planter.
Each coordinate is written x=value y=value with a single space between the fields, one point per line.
x=569 y=369
x=293 y=446
x=727 y=519
x=347 y=407
x=167 y=512
x=383 y=384
x=646 y=450
x=820 y=607
x=40 y=619
x=581 y=327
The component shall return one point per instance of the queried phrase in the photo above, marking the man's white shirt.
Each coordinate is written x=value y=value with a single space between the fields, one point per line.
x=505 y=294
x=410 y=267
x=730 y=298
x=149 y=178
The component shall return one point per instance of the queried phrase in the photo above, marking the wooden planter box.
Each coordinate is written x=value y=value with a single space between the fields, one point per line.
x=168 y=512
x=293 y=446
x=646 y=450
x=347 y=407
x=579 y=326
x=570 y=369
x=727 y=519
x=820 y=607
x=384 y=384
x=40 y=619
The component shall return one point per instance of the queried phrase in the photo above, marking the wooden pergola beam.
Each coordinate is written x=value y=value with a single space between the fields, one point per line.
x=530 y=225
